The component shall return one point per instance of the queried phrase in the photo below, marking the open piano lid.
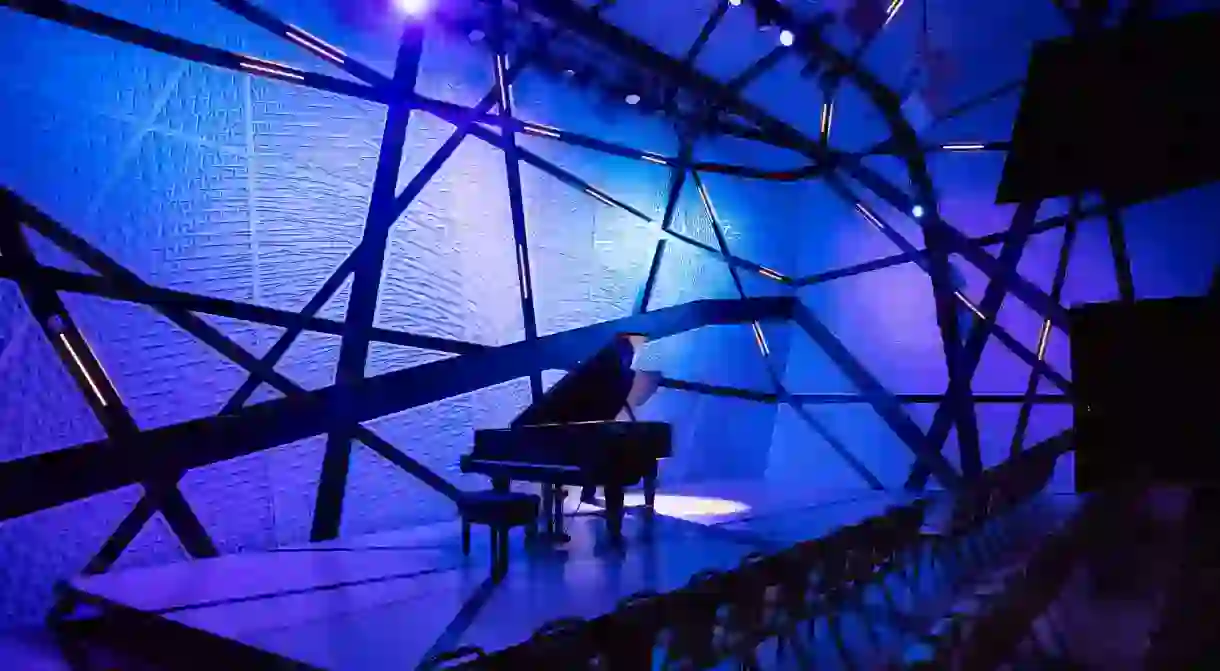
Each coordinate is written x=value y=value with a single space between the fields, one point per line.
x=598 y=390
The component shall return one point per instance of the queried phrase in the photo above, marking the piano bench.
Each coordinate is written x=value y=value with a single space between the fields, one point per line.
x=501 y=511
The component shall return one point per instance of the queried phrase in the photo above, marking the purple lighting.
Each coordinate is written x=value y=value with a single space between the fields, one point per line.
x=411 y=7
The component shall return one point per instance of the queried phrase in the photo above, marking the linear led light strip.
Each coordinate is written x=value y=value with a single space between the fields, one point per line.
x=270 y=67
x=506 y=102
x=771 y=274
x=600 y=196
x=893 y=11
x=651 y=158
x=542 y=131
x=525 y=288
x=761 y=339
x=316 y=45
x=1043 y=339
x=867 y=214
x=80 y=365
x=964 y=146
x=966 y=301
x=828 y=112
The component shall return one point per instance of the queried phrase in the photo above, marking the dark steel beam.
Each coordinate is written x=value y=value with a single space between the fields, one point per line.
x=97 y=23
x=366 y=280
x=210 y=336
x=92 y=381
x=719 y=390
x=1118 y=252
x=512 y=170
x=881 y=399
x=972 y=354
x=1031 y=387
x=290 y=33
x=117 y=288
x=38 y=482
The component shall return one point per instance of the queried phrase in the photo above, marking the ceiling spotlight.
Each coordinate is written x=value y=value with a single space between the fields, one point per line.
x=917 y=211
x=476 y=36
x=735 y=3
x=569 y=73
x=632 y=99
x=786 y=38
x=412 y=7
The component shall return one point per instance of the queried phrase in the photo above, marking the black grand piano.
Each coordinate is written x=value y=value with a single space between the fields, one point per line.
x=574 y=435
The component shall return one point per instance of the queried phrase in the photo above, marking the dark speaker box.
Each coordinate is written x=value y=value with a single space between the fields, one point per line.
x=1132 y=113
x=1145 y=393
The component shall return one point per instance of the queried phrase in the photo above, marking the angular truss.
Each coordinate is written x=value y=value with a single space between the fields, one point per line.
x=699 y=106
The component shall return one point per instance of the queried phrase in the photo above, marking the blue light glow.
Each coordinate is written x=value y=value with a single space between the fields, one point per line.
x=917 y=211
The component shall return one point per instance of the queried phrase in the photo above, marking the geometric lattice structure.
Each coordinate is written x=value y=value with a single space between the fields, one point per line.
x=299 y=224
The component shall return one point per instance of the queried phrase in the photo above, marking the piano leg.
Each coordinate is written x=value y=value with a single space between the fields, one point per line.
x=614 y=511
x=560 y=534
x=548 y=497
x=650 y=488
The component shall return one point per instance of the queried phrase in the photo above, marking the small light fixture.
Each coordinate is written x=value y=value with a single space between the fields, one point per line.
x=735 y=3
x=476 y=36
x=632 y=99
x=917 y=211
x=412 y=7
x=786 y=38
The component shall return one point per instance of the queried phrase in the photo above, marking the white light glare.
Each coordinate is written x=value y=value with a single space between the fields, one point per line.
x=632 y=99
x=735 y=3
x=412 y=7
x=917 y=211
x=786 y=38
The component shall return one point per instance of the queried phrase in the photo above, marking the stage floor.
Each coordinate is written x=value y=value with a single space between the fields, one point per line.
x=387 y=601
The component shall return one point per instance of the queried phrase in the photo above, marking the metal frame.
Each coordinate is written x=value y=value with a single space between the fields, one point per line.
x=699 y=106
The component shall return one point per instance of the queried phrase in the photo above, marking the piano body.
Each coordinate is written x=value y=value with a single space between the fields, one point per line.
x=573 y=436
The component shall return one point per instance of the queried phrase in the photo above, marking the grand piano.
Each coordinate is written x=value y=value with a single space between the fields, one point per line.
x=576 y=435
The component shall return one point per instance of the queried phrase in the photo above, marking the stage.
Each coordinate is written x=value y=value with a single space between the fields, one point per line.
x=388 y=601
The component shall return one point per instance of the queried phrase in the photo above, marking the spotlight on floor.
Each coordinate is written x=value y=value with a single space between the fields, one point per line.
x=917 y=211
x=786 y=38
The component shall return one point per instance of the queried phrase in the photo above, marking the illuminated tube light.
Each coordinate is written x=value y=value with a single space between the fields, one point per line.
x=271 y=69
x=828 y=111
x=600 y=197
x=525 y=288
x=84 y=371
x=316 y=48
x=1043 y=339
x=318 y=41
x=707 y=202
x=893 y=11
x=654 y=159
x=761 y=339
x=541 y=131
x=966 y=301
x=975 y=146
x=872 y=218
x=767 y=272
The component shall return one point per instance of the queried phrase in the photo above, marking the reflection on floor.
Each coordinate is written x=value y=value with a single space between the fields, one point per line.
x=389 y=600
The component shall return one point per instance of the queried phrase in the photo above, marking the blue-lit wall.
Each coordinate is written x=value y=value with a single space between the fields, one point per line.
x=226 y=185
x=254 y=190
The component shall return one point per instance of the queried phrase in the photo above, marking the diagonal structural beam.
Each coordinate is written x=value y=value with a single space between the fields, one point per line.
x=366 y=280
x=290 y=33
x=882 y=400
x=1118 y=252
x=118 y=289
x=93 y=468
x=972 y=354
x=208 y=335
x=1031 y=388
x=932 y=399
x=719 y=390
x=91 y=379
x=512 y=171
x=97 y=23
